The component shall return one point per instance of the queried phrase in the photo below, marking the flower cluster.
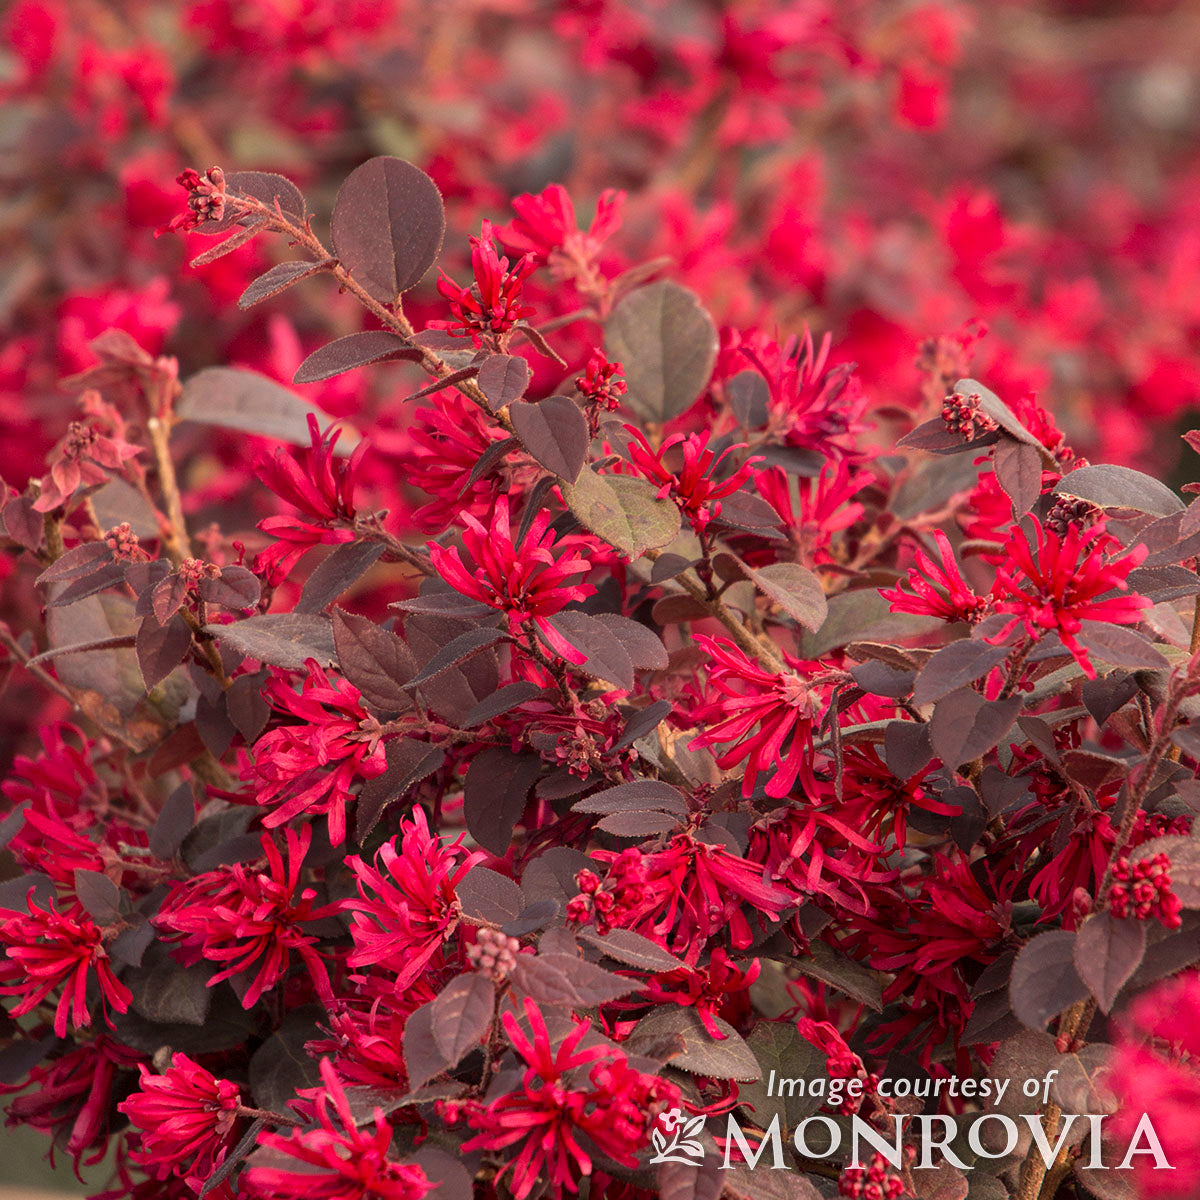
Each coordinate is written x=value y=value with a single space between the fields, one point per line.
x=1142 y=890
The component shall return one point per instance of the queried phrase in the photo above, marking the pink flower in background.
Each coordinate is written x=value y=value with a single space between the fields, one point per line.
x=70 y=1098
x=1156 y=1071
x=185 y=1118
x=547 y=229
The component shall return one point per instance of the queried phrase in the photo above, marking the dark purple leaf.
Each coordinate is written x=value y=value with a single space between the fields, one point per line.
x=14 y=893
x=632 y=949
x=130 y=945
x=457 y=650
x=20 y=1057
x=1018 y=467
x=23 y=523
x=702 y=1054
x=637 y=824
x=607 y=658
x=387 y=226
x=340 y=570
x=161 y=648
x=251 y=403
x=216 y=730
x=744 y=509
x=1118 y=646
x=965 y=726
x=495 y=793
x=278 y=279
x=235 y=587
x=562 y=979
x=443 y=604
x=455 y=692
x=936 y=437
x=167 y=993
x=408 y=762
x=247 y=1142
x=99 y=896
x=76 y=563
x=281 y=1066
x=247 y=708
x=954 y=666
x=422 y=1057
x=174 y=822
x=280 y=639
x=354 y=350
x=906 y=748
x=165 y=598
x=1161 y=584
x=263 y=186
x=794 y=588
x=507 y=698
x=503 y=379
x=1110 y=486
x=375 y=660
x=642 y=723
x=252 y=227
x=668 y=566
x=1107 y=694
x=748 y=398
x=489 y=898
x=858 y=982
x=537 y=915
x=118 y=642
x=490 y=459
x=881 y=679
x=452 y=1181
x=461 y=1015
x=1044 y=981
x=443 y=381
x=1041 y=736
x=642 y=795
x=1107 y=951
x=642 y=644
x=555 y=433
x=668 y=344
x=105 y=576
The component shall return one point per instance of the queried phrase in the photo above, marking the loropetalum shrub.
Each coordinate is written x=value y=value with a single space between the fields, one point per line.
x=716 y=730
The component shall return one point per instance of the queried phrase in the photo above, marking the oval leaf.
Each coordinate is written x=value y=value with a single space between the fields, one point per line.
x=668 y=344
x=387 y=227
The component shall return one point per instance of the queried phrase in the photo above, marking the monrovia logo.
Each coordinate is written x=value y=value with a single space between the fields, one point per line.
x=934 y=1133
x=682 y=1148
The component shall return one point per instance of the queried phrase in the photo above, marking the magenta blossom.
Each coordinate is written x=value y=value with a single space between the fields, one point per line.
x=406 y=905
x=524 y=579
x=185 y=1117
x=336 y=1160
x=309 y=767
